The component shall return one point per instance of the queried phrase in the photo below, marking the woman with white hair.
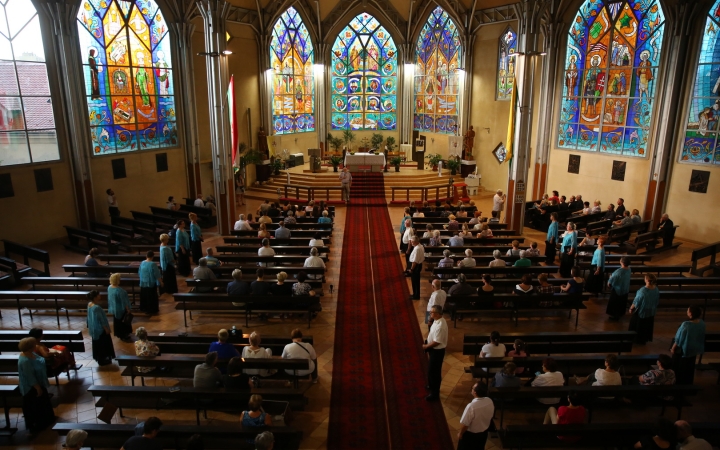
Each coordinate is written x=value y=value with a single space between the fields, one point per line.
x=498 y=261
x=314 y=260
x=255 y=351
x=118 y=307
x=143 y=347
x=242 y=224
x=447 y=261
x=435 y=240
x=468 y=261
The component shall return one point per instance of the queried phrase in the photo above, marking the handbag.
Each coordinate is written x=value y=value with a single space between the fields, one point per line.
x=127 y=318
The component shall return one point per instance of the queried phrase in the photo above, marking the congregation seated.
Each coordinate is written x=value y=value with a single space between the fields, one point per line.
x=238 y=286
x=290 y=218
x=150 y=429
x=57 y=360
x=265 y=250
x=462 y=287
x=259 y=286
x=254 y=351
x=298 y=349
x=485 y=232
x=263 y=232
x=324 y=219
x=201 y=273
x=525 y=287
x=686 y=440
x=255 y=416
x=281 y=287
x=550 y=376
x=523 y=261
x=317 y=241
x=235 y=378
x=263 y=208
x=575 y=284
x=514 y=250
x=171 y=205
x=210 y=259
x=507 y=376
x=533 y=251
x=263 y=218
x=242 y=224
x=455 y=240
x=609 y=213
x=661 y=375
x=436 y=239
x=626 y=220
x=314 y=261
x=144 y=347
x=468 y=261
x=199 y=202
x=597 y=207
x=566 y=415
x=498 y=261
x=206 y=375
x=91 y=261
x=301 y=288
x=607 y=376
x=222 y=348
x=664 y=438
x=282 y=232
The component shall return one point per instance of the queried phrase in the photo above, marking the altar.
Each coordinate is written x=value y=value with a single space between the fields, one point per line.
x=376 y=162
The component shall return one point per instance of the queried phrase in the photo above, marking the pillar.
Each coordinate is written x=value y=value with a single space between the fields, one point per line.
x=322 y=77
x=678 y=70
x=529 y=15
x=69 y=73
x=214 y=13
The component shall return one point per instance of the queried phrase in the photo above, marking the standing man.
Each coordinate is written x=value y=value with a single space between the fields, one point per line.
x=417 y=257
x=112 y=204
x=437 y=297
x=346 y=182
x=668 y=228
x=476 y=420
x=498 y=204
x=435 y=347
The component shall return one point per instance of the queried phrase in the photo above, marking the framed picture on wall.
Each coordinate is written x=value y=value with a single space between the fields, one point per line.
x=618 y=170
x=574 y=164
x=699 y=181
x=500 y=153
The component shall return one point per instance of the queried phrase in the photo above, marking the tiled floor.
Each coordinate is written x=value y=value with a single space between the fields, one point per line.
x=76 y=405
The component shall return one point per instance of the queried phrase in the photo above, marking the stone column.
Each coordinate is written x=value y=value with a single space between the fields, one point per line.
x=321 y=73
x=214 y=14
x=677 y=70
x=73 y=126
x=406 y=107
x=529 y=15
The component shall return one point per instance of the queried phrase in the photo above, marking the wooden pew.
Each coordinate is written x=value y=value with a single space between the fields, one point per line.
x=46 y=300
x=73 y=340
x=183 y=366
x=275 y=401
x=506 y=240
x=255 y=241
x=28 y=253
x=511 y=397
x=203 y=213
x=125 y=236
x=307 y=234
x=599 y=227
x=422 y=221
x=622 y=234
x=440 y=227
x=236 y=259
x=162 y=222
x=13 y=271
x=477 y=271
x=231 y=436
x=552 y=343
x=140 y=227
x=83 y=240
x=709 y=251
x=471 y=304
x=220 y=284
x=651 y=242
x=675 y=268
x=106 y=271
x=248 y=304
x=295 y=226
x=99 y=283
x=10 y=394
x=592 y=435
x=195 y=343
x=279 y=249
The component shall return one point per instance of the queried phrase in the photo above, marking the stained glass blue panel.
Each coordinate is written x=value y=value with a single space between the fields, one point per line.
x=437 y=59
x=610 y=76
x=507 y=47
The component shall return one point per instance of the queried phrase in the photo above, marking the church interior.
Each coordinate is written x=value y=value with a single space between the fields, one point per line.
x=562 y=146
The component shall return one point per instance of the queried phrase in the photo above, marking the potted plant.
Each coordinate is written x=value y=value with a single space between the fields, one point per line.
x=433 y=160
x=396 y=161
x=453 y=164
x=335 y=142
x=348 y=138
x=390 y=143
x=376 y=141
x=335 y=161
x=276 y=165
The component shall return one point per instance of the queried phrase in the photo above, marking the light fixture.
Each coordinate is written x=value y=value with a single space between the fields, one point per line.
x=534 y=53
x=318 y=69
x=227 y=52
x=215 y=54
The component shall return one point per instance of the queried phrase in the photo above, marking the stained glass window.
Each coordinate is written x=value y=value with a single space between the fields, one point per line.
x=27 y=126
x=701 y=143
x=128 y=75
x=507 y=47
x=437 y=60
x=291 y=58
x=610 y=77
x=364 y=77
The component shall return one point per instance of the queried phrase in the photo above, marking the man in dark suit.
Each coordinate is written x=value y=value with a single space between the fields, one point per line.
x=620 y=210
x=668 y=228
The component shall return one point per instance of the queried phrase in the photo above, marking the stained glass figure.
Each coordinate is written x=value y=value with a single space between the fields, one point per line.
x=437 y=60
x=701 y=143
x=128 y=75
x=507 y=47
x=291 y=58
x=364 y=77
x=27 y=125
x=610 y=76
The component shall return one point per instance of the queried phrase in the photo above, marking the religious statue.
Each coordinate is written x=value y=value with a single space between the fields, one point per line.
x=262 y=144
x=94 y=70
x=468 y=143
x=645 y=75
x=141 y=80
x=161 y=71
x=571 y=76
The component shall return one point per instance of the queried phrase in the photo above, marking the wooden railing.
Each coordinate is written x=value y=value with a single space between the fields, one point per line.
x=311 y=191
x=425 y=192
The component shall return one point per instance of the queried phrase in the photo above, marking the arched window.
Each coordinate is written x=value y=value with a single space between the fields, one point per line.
x=507 y=47
x=27 y=127
x=125 y=48
x=437 y=59
x=291 y=58
x=701 y=144
x=364 y=77
x=610 y=77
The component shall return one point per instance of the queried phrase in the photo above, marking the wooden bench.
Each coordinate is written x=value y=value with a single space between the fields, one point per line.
x=279 y=249
x=220 y=284
x=480 y=260
x=194 y=343
x=236 y=259
x=623 y=233
x=256 y=241
x=72 y=340
x=471 y=304
x=248 y=304
x=98 y=283
x=275 y=401
x=46 y=300
x=709 y=251
x=422 y=221
x=28 y=253
x=683 y=299
x=162 y=222
x=551 y=343
x=203 y=213
x=226 y=270
x=83 y=240
x=581 y=221
x=712 y=345
x=651 y=242
x=295 y=226
x=105 y=270
x=125 y=236
x=599 y=227
x=675 y=268
x=231 y=436
x=10 y=394
x=650 y=395
x=144 y=228
x=477 y=271
x=505 y=240
x=9 y=367
x=307 y=234
x=13 y=272
x=592 y=435
x=183 y=366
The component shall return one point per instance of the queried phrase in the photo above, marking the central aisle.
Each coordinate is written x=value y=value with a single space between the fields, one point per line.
x=379 y=368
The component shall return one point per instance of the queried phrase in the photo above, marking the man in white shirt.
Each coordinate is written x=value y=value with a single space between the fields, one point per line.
x=476 y=420
x=435 y=347
x=112 y=204
x=301 y=350
x=498 y=204
x=317 y=241
x=550 y=376
x=686 y=439
x=242 y=224
x=265 y=250
x=314 y=260
x=199 y=201
x=438 y=297
x=417 y=257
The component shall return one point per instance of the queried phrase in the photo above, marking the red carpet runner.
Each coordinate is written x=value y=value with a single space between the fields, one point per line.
x=379 y=368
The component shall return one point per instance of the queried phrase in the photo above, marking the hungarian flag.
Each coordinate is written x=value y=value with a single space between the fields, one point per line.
x=510 y=141
x=233 y=121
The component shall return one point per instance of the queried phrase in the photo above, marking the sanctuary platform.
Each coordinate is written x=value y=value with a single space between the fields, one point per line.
x=409 y=184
